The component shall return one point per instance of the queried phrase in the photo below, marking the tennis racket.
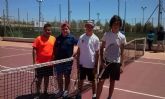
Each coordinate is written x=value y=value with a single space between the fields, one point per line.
x=111 y=53
x=33 y=86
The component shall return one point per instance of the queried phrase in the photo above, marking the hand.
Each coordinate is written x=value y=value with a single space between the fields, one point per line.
x=121 y=68
x=102 y=65
x=74 y=55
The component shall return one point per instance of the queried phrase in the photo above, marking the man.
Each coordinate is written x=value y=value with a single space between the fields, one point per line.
x=42 y=52
x=87 y=57
x=160 y=39
x=114 y=59
x=150 y=39
x=64 y=48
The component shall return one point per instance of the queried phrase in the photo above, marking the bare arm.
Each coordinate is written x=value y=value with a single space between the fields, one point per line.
x=34 y=55
x=54 y=53
x=75 y=51
x=122 y=57
x=101 y=52
x=96 y=58
x=122 y=53
x=78 y=56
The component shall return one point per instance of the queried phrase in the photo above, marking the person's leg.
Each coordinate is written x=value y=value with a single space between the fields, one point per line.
x=46 y=83
x=81 y=78
x=149 y=44
x=158 y=46
x=99 y=88
x=38 y=84
x=67 y=81
x=80 y=84
x=91 y=78
x=67 y=71
x=93 y=87
x=111 y=87
x=60 y=82
x=48 y=71
x=163 y=45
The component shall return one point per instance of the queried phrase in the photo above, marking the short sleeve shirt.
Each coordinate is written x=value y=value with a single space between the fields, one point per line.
x=115 y=40
x=88 y=46
x=150 y=36
x=64 y=46
x=44 y=48
x=160 y=35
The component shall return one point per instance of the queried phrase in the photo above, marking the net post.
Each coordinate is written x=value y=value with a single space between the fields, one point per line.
x=144 y=46
x=135 y=51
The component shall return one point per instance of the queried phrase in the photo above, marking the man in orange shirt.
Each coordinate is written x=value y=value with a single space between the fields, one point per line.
x=42 y=52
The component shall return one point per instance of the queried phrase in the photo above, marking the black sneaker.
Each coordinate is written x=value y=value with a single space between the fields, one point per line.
x=109 y=98
x=93 y=97
x=78 y=96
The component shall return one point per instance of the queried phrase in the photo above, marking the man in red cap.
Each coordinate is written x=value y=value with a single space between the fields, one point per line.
x=87 y=57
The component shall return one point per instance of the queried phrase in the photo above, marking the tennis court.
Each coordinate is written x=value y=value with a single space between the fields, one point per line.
x=142 y=79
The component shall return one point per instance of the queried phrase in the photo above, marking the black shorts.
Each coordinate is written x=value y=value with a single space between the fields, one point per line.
x=44 y=71
x=112 y=71
x=86 y=72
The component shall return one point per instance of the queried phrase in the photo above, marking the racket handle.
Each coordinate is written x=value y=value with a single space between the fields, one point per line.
x=101 y=73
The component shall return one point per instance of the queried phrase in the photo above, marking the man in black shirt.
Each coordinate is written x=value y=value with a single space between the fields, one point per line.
x=160 y=39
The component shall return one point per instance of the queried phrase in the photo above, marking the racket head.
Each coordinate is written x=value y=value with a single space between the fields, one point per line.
x=33 y=86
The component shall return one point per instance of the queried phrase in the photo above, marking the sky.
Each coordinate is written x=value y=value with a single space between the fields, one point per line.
x=79 y=9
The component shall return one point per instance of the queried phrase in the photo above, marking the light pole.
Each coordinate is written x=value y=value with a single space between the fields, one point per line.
x=125 y=12
x=89 y=11
x=118 y=7
x=60 y=12
x=39 y=2
x=7 y=10
x=98 y=19
x=69 y=12
x=143 y=8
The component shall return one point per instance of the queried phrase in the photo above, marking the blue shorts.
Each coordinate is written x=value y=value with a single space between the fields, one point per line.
x=63 y=68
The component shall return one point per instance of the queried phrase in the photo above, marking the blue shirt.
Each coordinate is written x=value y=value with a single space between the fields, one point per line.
x=150 y=36
x=64 y=46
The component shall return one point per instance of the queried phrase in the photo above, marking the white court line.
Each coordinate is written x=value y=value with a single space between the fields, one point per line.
x=134 y=92
x=14 y=55
x=16 y=49
x=150 y=63
x=154 y=58
x=129 y=91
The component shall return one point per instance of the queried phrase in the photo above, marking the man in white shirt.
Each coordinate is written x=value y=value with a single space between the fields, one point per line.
x=114 y=58
x=87 y=57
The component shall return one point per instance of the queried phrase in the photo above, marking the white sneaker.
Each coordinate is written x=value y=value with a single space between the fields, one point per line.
x=65 y=94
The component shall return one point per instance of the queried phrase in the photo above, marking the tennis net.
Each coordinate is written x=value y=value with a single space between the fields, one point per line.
x=134 y=49
x=19 y=83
